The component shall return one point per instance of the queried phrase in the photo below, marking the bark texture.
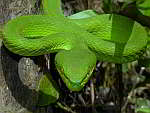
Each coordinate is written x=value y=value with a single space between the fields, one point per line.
x=19 y=76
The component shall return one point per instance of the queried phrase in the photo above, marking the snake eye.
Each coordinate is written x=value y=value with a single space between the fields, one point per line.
x=62 y=70
x=59 y=68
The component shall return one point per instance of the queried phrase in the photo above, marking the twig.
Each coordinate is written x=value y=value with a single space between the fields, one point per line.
x=119 y=86
x=92 y=92
x=81 y=99
x=68 y=109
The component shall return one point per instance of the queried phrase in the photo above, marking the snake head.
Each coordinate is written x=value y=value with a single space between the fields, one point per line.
x=75 y=67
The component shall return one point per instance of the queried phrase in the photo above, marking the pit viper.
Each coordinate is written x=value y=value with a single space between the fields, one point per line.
x=78 y=41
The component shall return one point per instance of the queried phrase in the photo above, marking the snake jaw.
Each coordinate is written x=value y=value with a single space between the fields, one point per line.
x=75 y=85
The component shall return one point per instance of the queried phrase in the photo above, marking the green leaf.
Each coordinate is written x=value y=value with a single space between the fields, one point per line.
x=143 y=110
x=52 y=7
x=1 y=31
x=145 y=7
x=48 y=91
x=143 y=105
x=83 y=14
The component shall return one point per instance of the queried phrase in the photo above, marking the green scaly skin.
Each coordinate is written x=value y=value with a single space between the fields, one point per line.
x=78 y=42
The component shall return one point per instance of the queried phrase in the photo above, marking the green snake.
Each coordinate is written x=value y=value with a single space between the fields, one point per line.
x=79 y=42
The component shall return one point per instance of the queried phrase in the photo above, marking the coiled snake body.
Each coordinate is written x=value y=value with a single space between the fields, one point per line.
x=79 y=43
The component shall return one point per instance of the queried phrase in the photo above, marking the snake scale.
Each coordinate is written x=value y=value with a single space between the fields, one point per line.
x=79 y=42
